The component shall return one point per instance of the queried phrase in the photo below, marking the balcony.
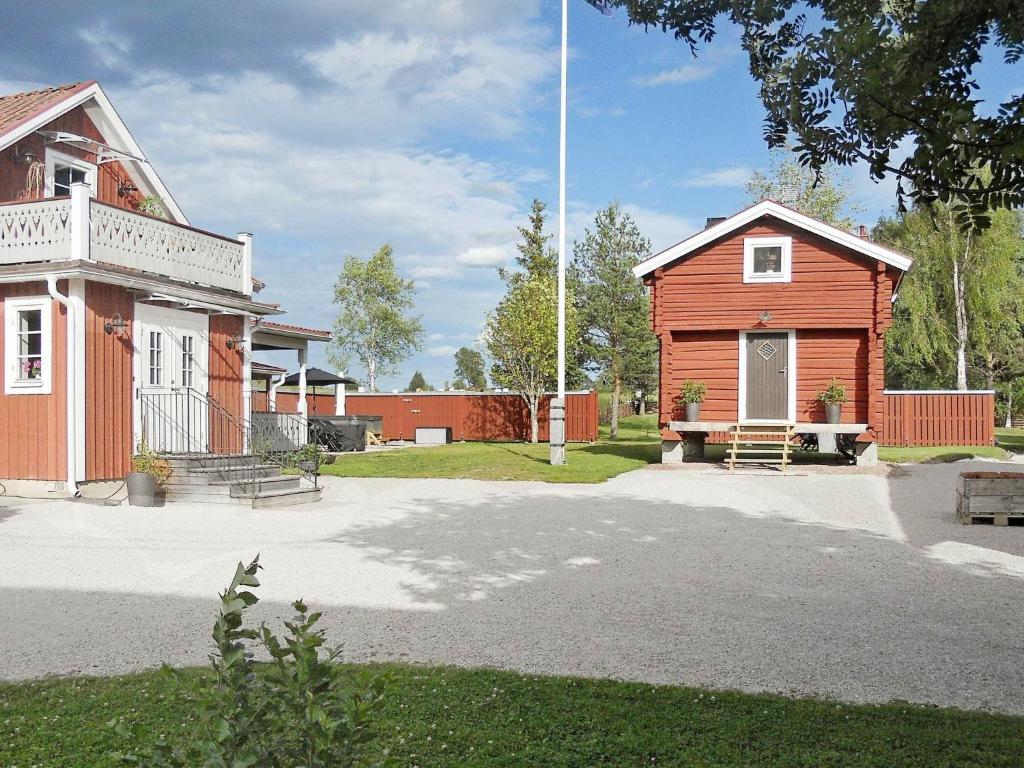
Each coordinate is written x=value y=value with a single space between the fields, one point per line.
x=78 y=228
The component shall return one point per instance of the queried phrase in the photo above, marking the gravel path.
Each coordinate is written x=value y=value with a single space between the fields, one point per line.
x=859 y=587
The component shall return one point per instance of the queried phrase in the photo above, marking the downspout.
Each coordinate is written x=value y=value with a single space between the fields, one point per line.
x=272 y=394
x=69 y=378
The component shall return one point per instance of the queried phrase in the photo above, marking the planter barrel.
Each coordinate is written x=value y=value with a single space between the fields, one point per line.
x=142 y=489
x=833 y=412
x=693 y=412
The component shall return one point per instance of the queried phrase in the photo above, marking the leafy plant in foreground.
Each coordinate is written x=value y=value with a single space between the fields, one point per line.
x=303 y=710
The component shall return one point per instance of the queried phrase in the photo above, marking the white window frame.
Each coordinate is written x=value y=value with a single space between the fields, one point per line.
x=783 y=276
x=12 y=384
x=741 y=405
x=53 y=157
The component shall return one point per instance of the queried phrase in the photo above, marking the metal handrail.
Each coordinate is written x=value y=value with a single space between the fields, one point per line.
x=177 y=429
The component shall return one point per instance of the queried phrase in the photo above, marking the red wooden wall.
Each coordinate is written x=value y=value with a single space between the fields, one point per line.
x=939 y=418
x=488 y=416
x=34 y=427
x=108 y=175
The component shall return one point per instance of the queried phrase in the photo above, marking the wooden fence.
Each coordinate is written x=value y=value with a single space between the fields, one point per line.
x=473 y=415
x=945 y=417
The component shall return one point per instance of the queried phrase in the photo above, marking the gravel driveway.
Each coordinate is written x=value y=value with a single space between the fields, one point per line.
x=859 y=587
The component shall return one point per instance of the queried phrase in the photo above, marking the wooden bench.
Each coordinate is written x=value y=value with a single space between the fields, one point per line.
x=996 y=497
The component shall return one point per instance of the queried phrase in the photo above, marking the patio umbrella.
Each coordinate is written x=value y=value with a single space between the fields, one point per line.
x=318 y=377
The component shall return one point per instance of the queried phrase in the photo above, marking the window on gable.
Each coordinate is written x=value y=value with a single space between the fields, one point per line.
x=64 y=170
x=64 y=176
x=27 y=345
x=767 y=259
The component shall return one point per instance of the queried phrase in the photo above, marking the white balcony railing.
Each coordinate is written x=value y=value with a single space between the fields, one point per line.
x=49 y=230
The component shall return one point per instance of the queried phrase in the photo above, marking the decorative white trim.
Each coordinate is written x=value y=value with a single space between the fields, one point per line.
x=54 y=156
x=781 y=212
x=791 y=358
x=44 y=384
x=114 y=132
x=785 y=275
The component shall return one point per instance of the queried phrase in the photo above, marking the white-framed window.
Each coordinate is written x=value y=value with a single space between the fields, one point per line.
x=767 y=260
x=188 y=360
x=156 y=359
x=64 y=170
x=28 y=344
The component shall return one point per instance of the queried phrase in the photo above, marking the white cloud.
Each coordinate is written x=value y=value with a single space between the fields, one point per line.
x=430 y=272
x=688 y=73
x=662 y=228
x=109 y=48
x=729 y=176
x=487 y=256
x=442 y=351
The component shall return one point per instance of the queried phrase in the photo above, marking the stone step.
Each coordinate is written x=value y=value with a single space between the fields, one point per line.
x=286 y=498
x=269 y=485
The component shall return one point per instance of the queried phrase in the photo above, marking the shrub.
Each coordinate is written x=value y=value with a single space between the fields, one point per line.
x=148 y=461
x=833 y=394
x=692 y=392
x=302 y=709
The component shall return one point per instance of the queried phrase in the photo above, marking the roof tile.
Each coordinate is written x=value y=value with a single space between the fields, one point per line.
x=16 y=108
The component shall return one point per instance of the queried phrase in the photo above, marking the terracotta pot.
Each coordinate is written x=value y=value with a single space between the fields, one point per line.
x=693 y=411
x=142 y=489
x=833 y=412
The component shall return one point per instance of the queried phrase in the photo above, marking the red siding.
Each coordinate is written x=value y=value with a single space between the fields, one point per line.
x=34 y=427
x=226 y=383
x=711 y=357
x=108 y=176
x=108 y=387
x=939 y=418
x=472 y=416
x=822 y=354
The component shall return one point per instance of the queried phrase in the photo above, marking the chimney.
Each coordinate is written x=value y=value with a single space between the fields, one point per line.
x=864 y=232
x=713 y=221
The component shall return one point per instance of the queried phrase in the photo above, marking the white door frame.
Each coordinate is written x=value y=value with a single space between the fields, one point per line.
x=172 y=322
x=791 y=372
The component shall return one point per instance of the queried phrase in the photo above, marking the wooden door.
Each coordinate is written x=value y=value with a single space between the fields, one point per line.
x=767 y=396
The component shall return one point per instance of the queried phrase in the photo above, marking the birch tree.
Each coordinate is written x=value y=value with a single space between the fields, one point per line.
x=375 y=321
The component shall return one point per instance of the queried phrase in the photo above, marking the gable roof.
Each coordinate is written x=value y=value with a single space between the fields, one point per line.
x=781 y=212
x=21 y=114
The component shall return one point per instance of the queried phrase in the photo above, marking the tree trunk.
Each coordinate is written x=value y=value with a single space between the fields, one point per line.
x=534 y=426
x=613 y=433
x=371 y=375
x=960 y=302
x=1009 y=406
x=642 y=409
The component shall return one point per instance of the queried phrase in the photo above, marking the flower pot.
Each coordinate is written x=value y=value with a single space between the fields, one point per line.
x=309 y=467
x=142 y=489
x=833 y=412
x=693 y=411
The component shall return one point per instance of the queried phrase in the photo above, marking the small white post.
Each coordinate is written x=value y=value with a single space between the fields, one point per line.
x=303 y=353
x=80 y=228
x=339 y=397
x=246 y=239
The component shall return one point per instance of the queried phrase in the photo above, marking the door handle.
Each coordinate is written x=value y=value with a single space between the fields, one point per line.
x=784 y=370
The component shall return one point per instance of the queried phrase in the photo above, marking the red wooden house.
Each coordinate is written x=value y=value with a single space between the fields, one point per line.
x=766 y=307
x=108 y=311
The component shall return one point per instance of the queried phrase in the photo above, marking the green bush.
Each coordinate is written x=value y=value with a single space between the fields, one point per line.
x=302 y=710
x=833 y=394
x=692 y=392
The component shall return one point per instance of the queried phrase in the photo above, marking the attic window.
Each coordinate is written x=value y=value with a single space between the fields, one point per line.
x=64 y=170
x=767 y=260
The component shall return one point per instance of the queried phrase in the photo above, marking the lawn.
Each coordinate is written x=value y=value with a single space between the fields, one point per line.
x=636 y=447
x=1008 y=441
x=448 y=717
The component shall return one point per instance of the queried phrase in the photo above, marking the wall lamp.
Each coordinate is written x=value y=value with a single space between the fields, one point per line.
x=125 y=188
x=765 y=317
x=25 y=157
x=235 y=342
x=115 y=325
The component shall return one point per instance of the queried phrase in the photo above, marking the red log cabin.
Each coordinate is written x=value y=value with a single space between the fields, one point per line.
x=111 y=302
x=766 y=308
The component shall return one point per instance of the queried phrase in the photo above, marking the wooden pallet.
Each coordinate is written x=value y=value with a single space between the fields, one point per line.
x=767 y=445
x=996 y=497
x=1002 y=520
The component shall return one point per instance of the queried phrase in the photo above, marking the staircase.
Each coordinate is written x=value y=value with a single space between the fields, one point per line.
x=234 y=479
x=762 y=444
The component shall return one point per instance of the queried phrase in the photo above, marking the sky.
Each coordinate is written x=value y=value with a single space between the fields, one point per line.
x=329 y=127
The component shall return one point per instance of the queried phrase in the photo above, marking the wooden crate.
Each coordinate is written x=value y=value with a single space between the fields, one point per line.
x=995 y=496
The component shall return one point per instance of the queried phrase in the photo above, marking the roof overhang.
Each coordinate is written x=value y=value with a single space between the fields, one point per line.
x=116 y=138
x=781 y=212
x=153 y=288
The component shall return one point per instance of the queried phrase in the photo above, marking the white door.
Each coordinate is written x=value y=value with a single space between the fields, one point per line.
x=171 y=372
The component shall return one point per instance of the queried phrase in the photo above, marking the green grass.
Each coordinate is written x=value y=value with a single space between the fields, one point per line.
x=1010 y=439
x=636 y=447
x=448 y=717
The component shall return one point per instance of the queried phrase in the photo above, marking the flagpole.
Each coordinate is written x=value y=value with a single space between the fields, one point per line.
x=558 y=408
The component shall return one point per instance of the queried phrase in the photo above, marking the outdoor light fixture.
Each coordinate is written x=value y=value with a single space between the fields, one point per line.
x=765 y=317
x=235 y=342
x=114 y=325
x=25 y=158
x=125 y=188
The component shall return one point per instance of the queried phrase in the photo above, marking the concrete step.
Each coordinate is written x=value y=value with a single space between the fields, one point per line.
x=268 y=485
x=286 y=498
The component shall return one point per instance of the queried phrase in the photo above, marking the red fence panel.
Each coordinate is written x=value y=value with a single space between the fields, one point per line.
x=947 y=417
x=500 y=417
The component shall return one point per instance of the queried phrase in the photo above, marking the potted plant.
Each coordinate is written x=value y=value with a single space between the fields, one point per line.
x=149 y=472
x=833 y=397
x=691 y=396
x=309 y=458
